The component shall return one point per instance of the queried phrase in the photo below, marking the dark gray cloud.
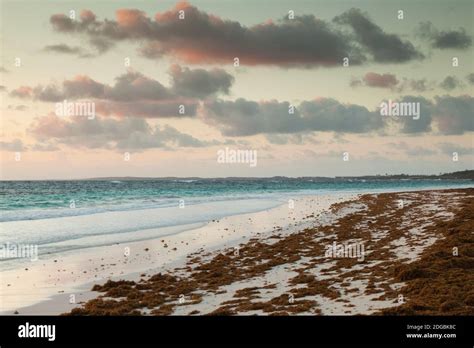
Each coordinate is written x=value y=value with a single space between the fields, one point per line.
x=134 y=94
x=410 y=125
x=283 y=139
x=134 y=86
x=384 y=47
x=454 y=115
x=331 y=115
x=451 y=39
x=470 y=78
x=243 y=117
x=419 y=85
x=148 y=108
x=66 y=49
x=296 y=138
x=200 y=83
x=450 y=83
x=202 y=38
x=449 y=115
x=108 y=133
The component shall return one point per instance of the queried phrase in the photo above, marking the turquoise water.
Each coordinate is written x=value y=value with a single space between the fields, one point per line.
x=61 y=216
x=27 y=200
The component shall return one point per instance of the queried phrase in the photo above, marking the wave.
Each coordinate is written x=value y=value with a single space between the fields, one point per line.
x=129 y=205
x=55 y=234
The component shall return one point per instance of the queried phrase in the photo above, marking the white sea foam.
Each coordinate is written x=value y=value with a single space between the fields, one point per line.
x=76 y=232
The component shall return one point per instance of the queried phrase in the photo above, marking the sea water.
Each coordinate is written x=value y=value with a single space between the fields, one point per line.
x=62 y=216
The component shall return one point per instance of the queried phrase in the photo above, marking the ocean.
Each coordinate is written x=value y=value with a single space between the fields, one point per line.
x=60 y=216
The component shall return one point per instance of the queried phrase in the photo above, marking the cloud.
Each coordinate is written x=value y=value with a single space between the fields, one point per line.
x=450 y=83
x=449 y=148
x=23 y=92
x=200 y=83
x=134 y=94
x=66 y=49
x=44 y=147
x=15 y=145
x=330 y=115
x=3 y=88
x=380 y=80
x=451 y=39
x=134 y=86
x=415 y=151
x=18 y=107
x=297 y=139
x=107 y=133
x=449 y=115
x=419 y=85
x=419 y=151
x=244 y=118
x=470 y=78
x=372 y=79
x=147 y=108
x=390 y=81
x=3 y=70
x=409 y=125
x=454 y=115
x=385 y=48
x=202 y=38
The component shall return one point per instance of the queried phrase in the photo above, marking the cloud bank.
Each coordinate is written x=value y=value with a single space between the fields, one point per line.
x=196 y=37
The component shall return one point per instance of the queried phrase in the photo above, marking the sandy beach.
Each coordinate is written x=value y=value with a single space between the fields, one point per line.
x=341 y=254
x=45 y=286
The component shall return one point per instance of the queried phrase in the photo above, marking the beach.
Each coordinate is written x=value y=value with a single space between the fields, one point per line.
x=77 y=269
x=328 y=254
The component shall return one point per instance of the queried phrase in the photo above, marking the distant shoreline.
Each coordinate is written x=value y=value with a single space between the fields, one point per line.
x=459 y=175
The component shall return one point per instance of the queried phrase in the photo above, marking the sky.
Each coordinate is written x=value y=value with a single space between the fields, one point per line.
x=158 y=88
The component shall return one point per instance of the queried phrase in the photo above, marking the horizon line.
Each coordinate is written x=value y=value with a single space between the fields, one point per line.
x=246 y=177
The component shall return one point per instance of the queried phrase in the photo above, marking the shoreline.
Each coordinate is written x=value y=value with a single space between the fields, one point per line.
x=66 y=276
x=206 y=242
